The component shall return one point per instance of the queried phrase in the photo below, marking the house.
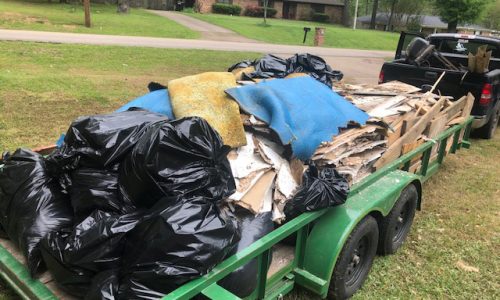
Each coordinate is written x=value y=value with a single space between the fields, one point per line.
x=422 y=23
x=286 y=9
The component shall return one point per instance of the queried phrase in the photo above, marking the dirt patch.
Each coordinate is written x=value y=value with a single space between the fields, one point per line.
x=11 y=17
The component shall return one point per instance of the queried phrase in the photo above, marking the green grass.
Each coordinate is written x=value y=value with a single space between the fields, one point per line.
x=40 y=15
x=280 y=31
x=459 y=221
x=43 y=87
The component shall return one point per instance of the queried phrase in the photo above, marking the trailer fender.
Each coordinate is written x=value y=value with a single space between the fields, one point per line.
x=330 y=231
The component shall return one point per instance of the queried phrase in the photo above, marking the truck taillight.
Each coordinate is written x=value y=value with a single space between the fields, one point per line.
x=381 y=77
x=486 y=94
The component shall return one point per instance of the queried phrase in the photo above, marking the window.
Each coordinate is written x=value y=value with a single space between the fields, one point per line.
x=463 y=46
x=318 y=8
x=270 y=3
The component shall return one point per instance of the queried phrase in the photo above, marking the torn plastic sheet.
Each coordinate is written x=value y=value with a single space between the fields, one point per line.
x=271 y=66
x=31 y=203
x=302 y=111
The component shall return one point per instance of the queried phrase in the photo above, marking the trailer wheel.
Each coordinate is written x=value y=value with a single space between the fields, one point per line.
x=355 y=260
x=397 y=223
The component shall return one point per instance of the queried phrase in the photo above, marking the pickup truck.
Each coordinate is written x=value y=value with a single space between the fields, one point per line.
x=454 y=48
x=334 y=248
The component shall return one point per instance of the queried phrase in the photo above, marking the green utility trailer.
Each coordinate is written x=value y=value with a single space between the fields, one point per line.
x=334 y=247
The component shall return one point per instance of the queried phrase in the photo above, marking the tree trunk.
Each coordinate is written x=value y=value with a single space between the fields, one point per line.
x=389 y=23
x=122 y=6
x=452 y=26
x=346 y=16
x=374 y=14
x=86 y=8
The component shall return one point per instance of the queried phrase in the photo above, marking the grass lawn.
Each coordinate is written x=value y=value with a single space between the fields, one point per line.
x=280 y=31
x=44 y=86
x=40 y=15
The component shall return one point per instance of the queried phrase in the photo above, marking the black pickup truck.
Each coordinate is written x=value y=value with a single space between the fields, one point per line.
x=454 y=49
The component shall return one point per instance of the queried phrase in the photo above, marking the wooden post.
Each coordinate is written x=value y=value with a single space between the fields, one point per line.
x=86 y=8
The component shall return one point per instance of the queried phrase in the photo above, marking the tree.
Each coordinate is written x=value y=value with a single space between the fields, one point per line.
x=491 y=18
x=459 y=11
x=346 y=16
x=122 y=6
x=374 y=14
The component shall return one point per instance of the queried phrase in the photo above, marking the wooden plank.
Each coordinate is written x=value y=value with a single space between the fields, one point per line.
x=469 y=102
x=394 y=151
x=455 y=108
x=436 y=126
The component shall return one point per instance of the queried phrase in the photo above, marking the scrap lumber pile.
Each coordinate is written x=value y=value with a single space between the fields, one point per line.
x=410 y=119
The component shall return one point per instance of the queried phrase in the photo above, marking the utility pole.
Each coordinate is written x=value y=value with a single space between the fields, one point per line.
x=86 y=8
x=355 y=15
x=265 y=11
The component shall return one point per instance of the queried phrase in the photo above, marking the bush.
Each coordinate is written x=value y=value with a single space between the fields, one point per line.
x=226 y=9
x=319 y=17
x=258 y=11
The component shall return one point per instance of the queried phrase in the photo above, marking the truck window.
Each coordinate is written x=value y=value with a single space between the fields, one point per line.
x=462 y=46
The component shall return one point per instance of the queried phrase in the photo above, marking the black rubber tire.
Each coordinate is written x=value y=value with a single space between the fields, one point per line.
x=397 y=224
x=355 y=260
x=488 y=130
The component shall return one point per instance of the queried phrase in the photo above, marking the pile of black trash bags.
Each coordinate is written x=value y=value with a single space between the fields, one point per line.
x=272 y=66
x=130 y=207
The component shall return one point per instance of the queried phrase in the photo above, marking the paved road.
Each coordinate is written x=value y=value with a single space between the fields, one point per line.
x=208 y=31
x=360 y=66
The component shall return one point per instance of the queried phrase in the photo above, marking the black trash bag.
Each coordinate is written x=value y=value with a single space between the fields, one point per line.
x=104 y=286
x=96 y=189
x=243 y=281
x=31 y=204
x=320 y=189
x=71 y=279
x=182 y=157
x=271 y=66
x=154 y=86
x=94 y=245
x=103 y=140
x=175 y=244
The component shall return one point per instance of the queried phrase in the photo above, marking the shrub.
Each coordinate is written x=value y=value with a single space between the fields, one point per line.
x=226 y=9
x=319 y=17
x=258 y=11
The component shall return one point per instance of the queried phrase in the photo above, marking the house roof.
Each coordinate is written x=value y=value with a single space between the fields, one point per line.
x=424 y=21
x=325 y=2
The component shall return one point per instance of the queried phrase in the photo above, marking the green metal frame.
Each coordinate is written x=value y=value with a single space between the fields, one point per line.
x=320 y=234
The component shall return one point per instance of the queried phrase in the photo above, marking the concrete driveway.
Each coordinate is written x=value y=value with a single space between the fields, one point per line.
x=359 y=66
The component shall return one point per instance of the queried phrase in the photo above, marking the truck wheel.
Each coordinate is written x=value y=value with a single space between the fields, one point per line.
x=488 y=130
x=397 y=223
x=355 y=260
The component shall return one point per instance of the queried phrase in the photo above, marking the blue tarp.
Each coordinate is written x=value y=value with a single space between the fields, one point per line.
x=157 y=101
x=302 y=111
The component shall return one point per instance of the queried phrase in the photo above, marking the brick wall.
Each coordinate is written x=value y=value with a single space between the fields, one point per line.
x=278 y=5
x=204 y=6
x=303 y=11
x=335 y=13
